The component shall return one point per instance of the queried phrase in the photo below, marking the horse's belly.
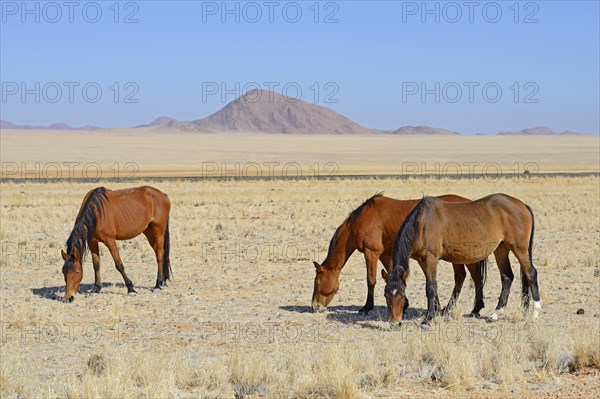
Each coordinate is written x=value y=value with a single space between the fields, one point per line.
x=129 y=236
x=127 y=231
x=468 y=252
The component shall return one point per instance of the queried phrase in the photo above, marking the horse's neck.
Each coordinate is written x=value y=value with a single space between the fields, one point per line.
x=344 y=247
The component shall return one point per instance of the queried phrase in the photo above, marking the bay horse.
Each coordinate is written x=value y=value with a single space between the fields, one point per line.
x=372 y=229
x=464 y=233
x=109 y=215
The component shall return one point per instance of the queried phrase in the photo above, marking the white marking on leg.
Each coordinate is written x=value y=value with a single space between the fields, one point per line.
x=394 y=292
x=537 y=306
x=497 y=313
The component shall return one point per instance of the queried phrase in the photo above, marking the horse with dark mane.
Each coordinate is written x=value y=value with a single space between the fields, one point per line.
x=107 y=216
x=464 y=233
x=372 y=229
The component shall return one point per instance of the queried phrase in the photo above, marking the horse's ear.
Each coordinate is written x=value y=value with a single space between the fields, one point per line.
x=318 y=267
x=64 y=254
x=385 y=275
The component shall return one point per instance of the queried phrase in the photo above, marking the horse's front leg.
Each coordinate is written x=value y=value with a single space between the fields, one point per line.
x=114 y=251
x=95 y=250
x=433 y=303
x=371 y=259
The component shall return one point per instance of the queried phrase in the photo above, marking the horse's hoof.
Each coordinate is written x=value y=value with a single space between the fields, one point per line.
x=472 y=315
x=132 y=293
x=157 y=289
x=365 y=310
x=425 y=326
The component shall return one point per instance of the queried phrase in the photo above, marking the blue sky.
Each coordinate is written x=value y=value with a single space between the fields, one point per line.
x=476 y=68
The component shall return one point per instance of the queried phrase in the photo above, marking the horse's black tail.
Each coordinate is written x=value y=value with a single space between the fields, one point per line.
x=167 y=273
x=531 y=235
x=530 y=249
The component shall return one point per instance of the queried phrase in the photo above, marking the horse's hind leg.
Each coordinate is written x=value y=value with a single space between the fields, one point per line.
x=525 y=292
x=506 y=276
x=95 y=250
x=529 y=280
x=371 y=258
x=459 y=279
x=114 y=251
x=156 y=241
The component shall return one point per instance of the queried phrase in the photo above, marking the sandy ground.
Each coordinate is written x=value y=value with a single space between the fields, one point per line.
x=236 y=321
x=147 y=153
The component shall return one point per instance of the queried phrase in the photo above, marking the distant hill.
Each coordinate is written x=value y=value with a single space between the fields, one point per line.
x=269 y=112
x=423 y=130
x=55 y=126
x=159 y=122
x=538 y=131
x=7 y=125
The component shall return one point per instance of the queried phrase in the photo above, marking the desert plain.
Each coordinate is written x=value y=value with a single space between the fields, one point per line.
x=236 y=321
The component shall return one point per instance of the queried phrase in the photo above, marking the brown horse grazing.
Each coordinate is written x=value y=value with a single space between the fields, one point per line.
x=107 y=216
x=463 y=233
x=372 y=229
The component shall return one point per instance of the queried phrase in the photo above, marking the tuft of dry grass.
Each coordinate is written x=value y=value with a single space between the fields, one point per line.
x=586 y=351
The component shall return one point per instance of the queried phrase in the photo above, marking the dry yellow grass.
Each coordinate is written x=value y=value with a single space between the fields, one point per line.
x=235 y=321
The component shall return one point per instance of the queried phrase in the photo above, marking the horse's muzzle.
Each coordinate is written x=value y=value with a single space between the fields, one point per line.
x=395 y=325
x=318 y=308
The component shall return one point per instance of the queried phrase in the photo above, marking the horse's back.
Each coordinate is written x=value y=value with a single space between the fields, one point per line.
x=495 y=202
x=129 y=211
x=450 y=220
x=146 y=194
x=380 y=222
x=453 y=198
x=505 y=204
x=500 y=199
x=517 y=218
x=498 y=213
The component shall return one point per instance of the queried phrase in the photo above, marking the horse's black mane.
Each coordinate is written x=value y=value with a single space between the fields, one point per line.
x=405 y=238
x=352 y=216
x=85 y=224
x=356 y=213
